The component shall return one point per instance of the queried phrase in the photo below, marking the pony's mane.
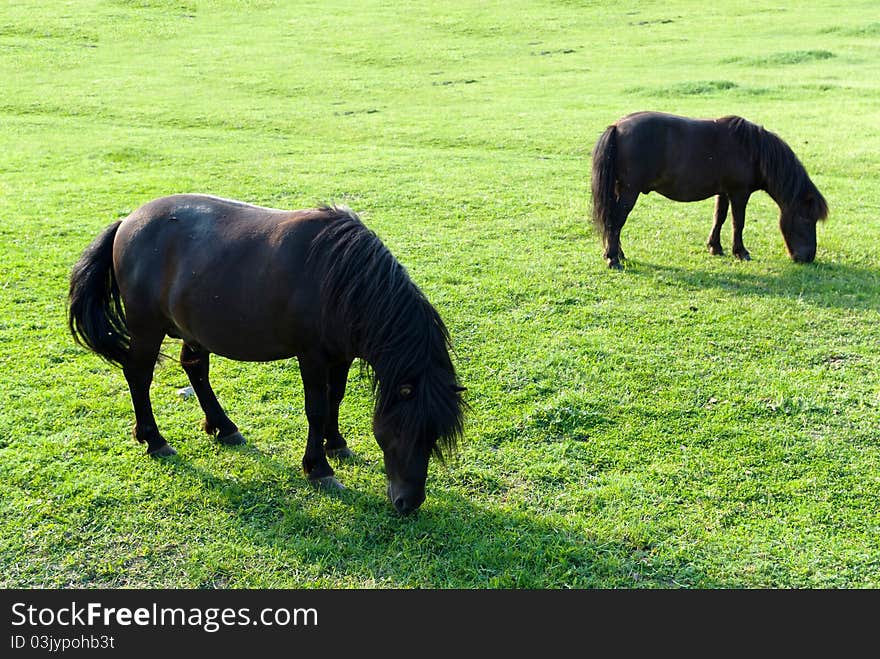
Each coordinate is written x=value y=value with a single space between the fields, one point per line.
x=784 y=176
x=389 y=323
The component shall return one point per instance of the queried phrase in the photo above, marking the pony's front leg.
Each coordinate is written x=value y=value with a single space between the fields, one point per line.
x=313 y=370
x=337 y=378
x=738 y=210
x=714 y=242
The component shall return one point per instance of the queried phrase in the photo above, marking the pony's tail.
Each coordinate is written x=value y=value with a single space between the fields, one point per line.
x=604 y=180
x=95 y=315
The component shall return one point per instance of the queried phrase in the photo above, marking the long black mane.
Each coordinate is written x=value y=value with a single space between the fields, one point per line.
x=371 y=306
x=784 y=176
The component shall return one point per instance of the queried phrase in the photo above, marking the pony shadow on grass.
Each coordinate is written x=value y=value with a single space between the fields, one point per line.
x=451 y=543
x=826 y=285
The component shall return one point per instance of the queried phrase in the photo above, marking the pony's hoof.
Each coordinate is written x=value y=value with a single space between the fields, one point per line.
x=715 y=250
x=743 y=255
x=615 y=265
x=232 y=439
x=326 y=483
x=339 y=453
x=163 y=451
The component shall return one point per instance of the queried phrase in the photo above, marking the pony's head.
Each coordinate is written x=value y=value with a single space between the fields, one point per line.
x=419 y=412
x=797 y=221
x=374 y=311
x=785 y=179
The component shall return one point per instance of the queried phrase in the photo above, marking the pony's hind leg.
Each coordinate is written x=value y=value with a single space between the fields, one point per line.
x=625 y=203
x=138 y=371
x=714 y=242
x=195 y=362
x=335 y=444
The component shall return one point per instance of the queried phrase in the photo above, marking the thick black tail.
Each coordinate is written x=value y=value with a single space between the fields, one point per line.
x=604 y=180
x=95 y=315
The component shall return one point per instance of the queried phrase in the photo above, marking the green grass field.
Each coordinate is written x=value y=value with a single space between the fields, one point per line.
x=692 y=421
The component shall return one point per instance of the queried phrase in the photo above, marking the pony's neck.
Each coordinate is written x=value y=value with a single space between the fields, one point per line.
x=778 y=199
x=403 y=346
x=784 y=177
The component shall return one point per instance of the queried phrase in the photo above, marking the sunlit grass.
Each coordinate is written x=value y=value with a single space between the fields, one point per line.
x=692 y=421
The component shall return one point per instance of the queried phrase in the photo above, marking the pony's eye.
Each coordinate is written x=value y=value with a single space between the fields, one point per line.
x=406 y=391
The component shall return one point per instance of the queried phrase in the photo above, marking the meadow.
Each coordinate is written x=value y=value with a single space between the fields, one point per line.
x=690 y=422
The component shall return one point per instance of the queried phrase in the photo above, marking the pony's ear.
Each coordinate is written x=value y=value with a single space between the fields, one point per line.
x=458 y=388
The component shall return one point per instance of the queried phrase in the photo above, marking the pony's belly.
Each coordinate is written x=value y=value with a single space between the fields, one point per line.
x=241 y=342
x=255 y=351
x=259 y=355
x=676 y=193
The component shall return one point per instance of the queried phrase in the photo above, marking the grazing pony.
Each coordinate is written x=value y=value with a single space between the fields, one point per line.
x=688 y=159
x=260 y=284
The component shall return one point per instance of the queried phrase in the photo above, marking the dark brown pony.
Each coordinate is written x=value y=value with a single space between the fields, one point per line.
x=692 y=159
x=260 y=284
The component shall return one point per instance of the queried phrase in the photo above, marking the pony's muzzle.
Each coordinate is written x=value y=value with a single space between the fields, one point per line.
x=405 y=497
x=803 y=255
